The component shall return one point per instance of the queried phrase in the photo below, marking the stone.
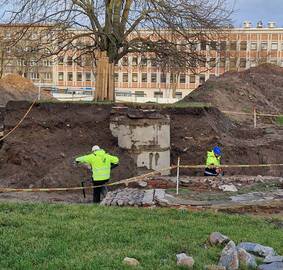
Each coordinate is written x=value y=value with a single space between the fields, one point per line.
x=228 y=188
x=184 y=260
x=271 y=266
x=257 y=249
x=271 y=259
x=229 y=257
x=216 y=238
x=142 y=184
x=214 y=267
x=148 y=198
x=246 y=259
x=131 y=261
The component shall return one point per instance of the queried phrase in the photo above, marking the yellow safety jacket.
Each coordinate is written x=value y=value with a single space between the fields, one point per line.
x=212 y=159
x=100 y=163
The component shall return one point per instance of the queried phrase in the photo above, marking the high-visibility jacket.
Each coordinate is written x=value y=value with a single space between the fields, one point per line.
x=212 y=159
x=100 y=163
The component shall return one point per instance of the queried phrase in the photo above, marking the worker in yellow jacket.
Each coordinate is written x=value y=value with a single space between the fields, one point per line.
x=213 y=159
x=101 y=164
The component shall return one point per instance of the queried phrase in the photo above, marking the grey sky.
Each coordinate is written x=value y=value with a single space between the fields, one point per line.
x=256 y=10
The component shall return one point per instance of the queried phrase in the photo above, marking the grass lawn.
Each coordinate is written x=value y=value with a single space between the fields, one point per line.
x=45 y=236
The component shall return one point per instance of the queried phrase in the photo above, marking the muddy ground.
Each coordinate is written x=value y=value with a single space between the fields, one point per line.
x=42 y=150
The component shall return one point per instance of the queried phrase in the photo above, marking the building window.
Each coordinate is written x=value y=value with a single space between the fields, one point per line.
x=203 y=45
x=69 y=61
x=70 y=76
x=61 y=60
x=223 y=46
x=34 y=76
x=158 y=94
x=153 y=77
x=173 y=78
x=253 y=62
x=254 y=46
x=125 y=77
x=88 y=76
x=212 y=62
x=79 y=76
x=233 y=63
x=47 y=63
x=163 y=78
x=48 y=76
x=201 y=79
x=243 y=46
x=153 y=62
x=183 y=78
x=213 y=45
x=273 y=61
x=116 y=77
x=263 y=46
x=125 y=61
x=61 y=76
x=134 y=77
x=144 y=77
x=179 y=95
x=243 y=63
x=143 y=62
x=192 y=78
x=274 y=46
x=139 y=93
x=135 y=61
x=233 y=45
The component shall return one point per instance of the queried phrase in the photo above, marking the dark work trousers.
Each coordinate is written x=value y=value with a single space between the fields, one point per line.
x=97 y=191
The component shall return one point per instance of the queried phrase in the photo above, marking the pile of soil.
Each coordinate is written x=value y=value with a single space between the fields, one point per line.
x=16 y=87
x=41 y=152
x=260 y=87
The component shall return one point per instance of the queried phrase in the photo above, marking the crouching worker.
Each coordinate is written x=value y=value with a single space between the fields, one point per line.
x=101 y=164
x=213 y=159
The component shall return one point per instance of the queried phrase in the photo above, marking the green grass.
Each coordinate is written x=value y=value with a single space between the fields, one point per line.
x=42 y=236
x=279 y=120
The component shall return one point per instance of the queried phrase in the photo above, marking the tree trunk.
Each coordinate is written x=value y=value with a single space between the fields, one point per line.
x=104 y=78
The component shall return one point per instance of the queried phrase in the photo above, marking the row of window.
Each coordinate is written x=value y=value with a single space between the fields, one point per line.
x=157 y=94
x=87 y=76
x=39 y=76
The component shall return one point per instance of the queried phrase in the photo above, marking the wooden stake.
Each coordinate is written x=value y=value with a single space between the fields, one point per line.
x=254 y=117
x=178 y=174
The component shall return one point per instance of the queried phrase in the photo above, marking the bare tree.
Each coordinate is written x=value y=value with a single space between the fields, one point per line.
x=166 y=30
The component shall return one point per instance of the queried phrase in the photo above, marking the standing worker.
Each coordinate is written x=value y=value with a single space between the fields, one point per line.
x=213 y=159
x=101 y=164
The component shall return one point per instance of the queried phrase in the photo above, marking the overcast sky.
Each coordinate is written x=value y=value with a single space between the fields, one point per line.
x=256 y=10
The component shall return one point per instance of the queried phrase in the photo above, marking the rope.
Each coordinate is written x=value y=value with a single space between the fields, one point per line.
x=257 y=114
x=23 y=118
x=132 y=179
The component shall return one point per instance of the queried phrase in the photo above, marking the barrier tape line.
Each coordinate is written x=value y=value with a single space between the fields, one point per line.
x=18 y=124
x=132 y=179
x=257 y=114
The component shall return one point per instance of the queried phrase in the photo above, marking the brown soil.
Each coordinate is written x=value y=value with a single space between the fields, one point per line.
x=16 y=87
x=41 y=151
x=260 y=87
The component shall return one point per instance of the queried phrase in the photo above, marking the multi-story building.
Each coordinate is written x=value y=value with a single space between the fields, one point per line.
x=135 y=75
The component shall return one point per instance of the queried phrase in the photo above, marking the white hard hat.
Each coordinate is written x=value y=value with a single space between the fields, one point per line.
x=95 y=148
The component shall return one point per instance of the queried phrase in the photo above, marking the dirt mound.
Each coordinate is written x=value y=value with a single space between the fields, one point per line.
x=16 y=87
x=260 y=87
x=42 y=150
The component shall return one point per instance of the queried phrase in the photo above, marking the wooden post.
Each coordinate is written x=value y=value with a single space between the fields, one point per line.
x=254 y=117
x=178 y=174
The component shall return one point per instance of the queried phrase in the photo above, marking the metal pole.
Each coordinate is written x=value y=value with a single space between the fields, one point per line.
x=254 y=117
x=178 y=174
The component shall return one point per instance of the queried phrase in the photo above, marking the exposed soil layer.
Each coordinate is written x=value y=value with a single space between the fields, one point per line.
x=40 y=153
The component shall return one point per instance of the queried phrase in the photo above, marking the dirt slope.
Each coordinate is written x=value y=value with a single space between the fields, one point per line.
x=15 y=87
x=41 y=151
x=261 y=87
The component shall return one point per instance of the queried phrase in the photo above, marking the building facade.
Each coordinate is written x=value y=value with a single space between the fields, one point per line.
x=136 y=75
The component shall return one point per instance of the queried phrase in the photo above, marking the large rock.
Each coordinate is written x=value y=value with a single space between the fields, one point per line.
x=131 y=261
x=229 y=257
x=271 y=259
x=216 y=238
x=271 y=266
x=246 y=259
x=257 y=249
x=148 y=198
x=184 y=260
x=228 y=188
